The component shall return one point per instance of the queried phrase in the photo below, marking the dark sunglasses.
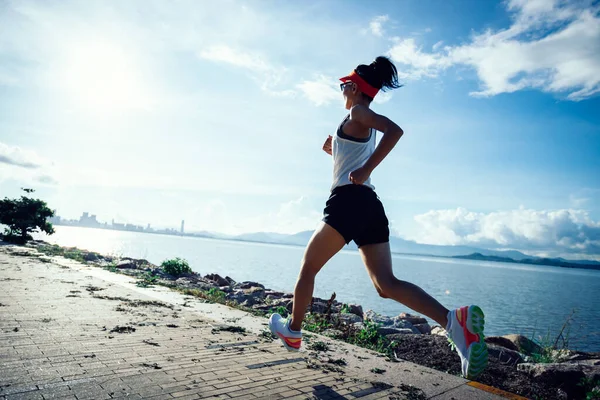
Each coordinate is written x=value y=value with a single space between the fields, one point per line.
x=344 y=84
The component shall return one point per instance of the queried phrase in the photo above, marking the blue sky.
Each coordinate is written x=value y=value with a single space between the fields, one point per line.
x=216 y=113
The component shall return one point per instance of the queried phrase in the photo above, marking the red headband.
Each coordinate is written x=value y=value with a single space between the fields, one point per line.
x=361 y=83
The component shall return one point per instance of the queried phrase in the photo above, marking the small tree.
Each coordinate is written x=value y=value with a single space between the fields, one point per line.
x=24 y=216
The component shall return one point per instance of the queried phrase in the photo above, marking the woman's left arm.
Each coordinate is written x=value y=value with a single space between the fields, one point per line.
x=391 y=134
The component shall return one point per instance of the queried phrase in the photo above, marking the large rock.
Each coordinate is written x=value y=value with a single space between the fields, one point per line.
x=287 y=303
x=356 y=310
x=254 y=294
x=502 y=341
x=248 y=285
x=359 y=326
x=217 y=279
x=386 y=331
x=347 y=319
x=504 y=355
x=377 y=318
x=425 y=329
x=402 y=324
x=523 y=344
x=413 y=319
x=90 y=257
x=126 y=264
x=237 y=295
x=272 y=294
x=189 y=282
x=318 y=307
x=438 y=330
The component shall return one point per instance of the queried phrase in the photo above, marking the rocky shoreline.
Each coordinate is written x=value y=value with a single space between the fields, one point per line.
x=517 y=364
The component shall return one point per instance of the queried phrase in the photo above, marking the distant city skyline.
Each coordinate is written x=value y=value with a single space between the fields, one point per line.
x=88 y=220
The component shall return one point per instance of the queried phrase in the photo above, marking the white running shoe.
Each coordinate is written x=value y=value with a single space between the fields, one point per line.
x=280 y=327
x=465 y=334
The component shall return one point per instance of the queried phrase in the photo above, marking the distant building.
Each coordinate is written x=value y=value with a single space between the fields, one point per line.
x=182 y=226
x=88 y=220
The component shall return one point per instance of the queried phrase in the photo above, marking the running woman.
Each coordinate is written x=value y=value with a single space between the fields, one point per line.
x=354 y=212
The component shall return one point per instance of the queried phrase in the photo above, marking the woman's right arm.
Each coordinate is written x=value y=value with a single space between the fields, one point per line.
x=327 y=145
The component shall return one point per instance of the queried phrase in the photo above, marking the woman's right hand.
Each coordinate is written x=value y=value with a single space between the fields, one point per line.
x=327 y=145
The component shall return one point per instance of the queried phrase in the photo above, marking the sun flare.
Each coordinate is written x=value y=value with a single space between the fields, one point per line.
x=101 y=77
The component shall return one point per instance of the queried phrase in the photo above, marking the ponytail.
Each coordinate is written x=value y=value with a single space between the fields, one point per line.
x=381 y=74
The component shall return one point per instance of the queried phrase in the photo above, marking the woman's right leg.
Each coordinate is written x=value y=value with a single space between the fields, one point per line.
x=323 y=245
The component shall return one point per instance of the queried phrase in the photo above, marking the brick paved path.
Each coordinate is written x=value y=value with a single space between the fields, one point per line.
x=67 y=334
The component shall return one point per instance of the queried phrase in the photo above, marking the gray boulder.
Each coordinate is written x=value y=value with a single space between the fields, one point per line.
x=523 y=344
x=272 y=294
x=90 y=257
x=383 y=320
x=386 y=331
x=318 y=307
x=425 y=328
x=237 y=295
x=248 y=285
x=502 y=341
x=413 y=319
x=346 y=319
x=356 y=310
x=504 y=355
x=126 y=264
x=438 y=330
x=217 y=279
x=358 y=326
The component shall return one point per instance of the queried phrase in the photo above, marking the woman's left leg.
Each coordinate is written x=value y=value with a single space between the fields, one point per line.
x=378 y=260
x=465 y=328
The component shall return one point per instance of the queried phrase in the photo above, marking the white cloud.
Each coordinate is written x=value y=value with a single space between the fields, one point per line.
x=25 y=167
x=383 y=97
x=554 y=232
x=266 y=75
x=421 y=64
x=18 y=157
x=321 y=90
x=376 y=24
x=290 y=217
x=551 y=46
x=235 y=57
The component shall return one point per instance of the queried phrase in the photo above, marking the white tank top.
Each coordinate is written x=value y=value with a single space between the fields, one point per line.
x=350 y=153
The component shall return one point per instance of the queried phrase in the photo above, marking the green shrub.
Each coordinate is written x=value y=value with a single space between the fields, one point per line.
x=368 y=337
x=216 y=295
x=146 y=280
x=281 y=310
x=176 y=267
x=553 y=346
x=24 y=216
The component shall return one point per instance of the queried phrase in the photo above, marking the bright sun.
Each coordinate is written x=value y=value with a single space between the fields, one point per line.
x=103 y=78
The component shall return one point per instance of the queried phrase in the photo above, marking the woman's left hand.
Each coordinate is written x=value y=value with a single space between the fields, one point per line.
x=359 y=176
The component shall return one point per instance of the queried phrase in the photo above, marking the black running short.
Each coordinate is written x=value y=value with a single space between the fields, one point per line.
x=356 y=212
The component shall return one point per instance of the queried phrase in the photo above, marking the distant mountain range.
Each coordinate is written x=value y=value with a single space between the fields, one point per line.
x=555 y=262
x=403 y=246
